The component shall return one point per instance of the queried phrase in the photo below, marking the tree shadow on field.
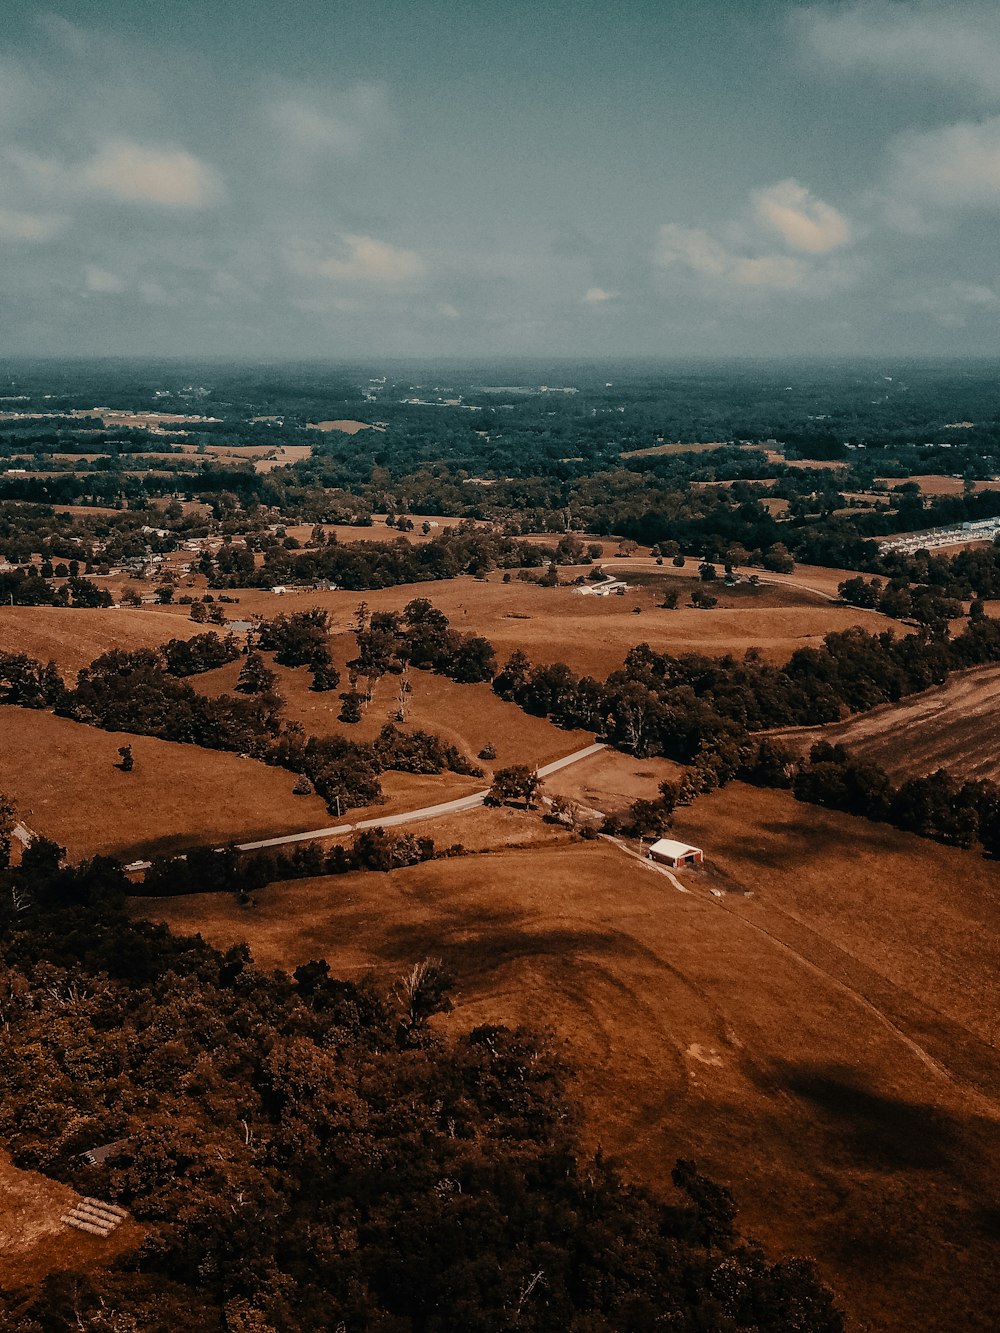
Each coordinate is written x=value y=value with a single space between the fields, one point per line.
x=477 y=943
x=808 y=836
x=881 y=1132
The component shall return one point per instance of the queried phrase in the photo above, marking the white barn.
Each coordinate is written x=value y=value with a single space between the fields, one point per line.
x=675 y=854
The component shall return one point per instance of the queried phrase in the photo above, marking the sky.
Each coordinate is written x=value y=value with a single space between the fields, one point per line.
x=360 y=178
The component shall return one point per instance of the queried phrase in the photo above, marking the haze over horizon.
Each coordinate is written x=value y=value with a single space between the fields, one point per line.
x=441 y=181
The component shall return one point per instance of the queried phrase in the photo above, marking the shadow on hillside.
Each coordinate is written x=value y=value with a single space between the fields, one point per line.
x=881 y=1132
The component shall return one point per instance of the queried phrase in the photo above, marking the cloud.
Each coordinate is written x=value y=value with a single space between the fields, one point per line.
x=598 y=296
x=803 y=221
x=100 y=280
x=448 y=310
x=136 y=174
x=954 y=44
x=312 y=121
x=955 y=167
x=694 y=249
x=699 y=252
x=371 y=261
x=15 y=226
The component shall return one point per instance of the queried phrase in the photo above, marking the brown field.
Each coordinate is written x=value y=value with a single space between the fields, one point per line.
x=468 y=716
x=347 y=427
x=775 y=456
x=73 y=637
x=34 y=1242
x=931 y=484
x=954 y=726
x=285 y=454
x=63 y=779
x=656 y=449
x=794 y=1034
x=593 y=634
x=376 y=531
x=610 y=781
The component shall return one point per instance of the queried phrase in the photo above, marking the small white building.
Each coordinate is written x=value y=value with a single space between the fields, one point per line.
x=670 y=853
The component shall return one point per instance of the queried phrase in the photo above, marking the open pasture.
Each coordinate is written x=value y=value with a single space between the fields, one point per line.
x=64 y=780
x=74 y=636
x=593 y=634
x=344 y=426
x=794 y=1034
x=954 y=726
x=467 y=716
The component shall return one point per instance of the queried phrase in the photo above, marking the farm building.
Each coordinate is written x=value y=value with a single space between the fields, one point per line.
x=671 y=853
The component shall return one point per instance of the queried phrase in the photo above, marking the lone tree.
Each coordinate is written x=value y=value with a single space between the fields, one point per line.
x=255 y=676
x=126 y=758
x=512 y=786
x=350 y=709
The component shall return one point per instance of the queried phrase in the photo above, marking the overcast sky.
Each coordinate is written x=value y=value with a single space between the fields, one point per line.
x=448 y=177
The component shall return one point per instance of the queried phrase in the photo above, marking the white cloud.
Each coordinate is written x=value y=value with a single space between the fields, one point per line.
x=955 y=167
x=694 y=249
x=448 y=310
x=311 y=128
x=598 y=296
x=154 y=293
x=100 y=280
x=371 y=261
x=955 y=44
x=803 y=221
x=313 y=121
x=137 y=174
x=16 y=226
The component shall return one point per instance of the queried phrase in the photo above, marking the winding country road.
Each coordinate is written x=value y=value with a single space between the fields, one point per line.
x=457 y=806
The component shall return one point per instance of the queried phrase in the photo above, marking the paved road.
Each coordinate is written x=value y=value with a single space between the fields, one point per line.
x=456 y=807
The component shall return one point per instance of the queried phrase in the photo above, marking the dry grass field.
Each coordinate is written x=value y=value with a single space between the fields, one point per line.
x=284 y=455
x=34 y=1242
x=63 y=779
x=954 y=726
x=657 y=450
x=377 y=531
x=468 y=716
x=794 y=1034
x=593 y=634
x=346 y=427
x=73 y=637
x=932 y=484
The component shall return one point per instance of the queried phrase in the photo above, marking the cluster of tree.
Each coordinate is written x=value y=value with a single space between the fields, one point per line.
x=28 y=683
x=419 y=636
x=228 y=870
x=683 y=707
x=203 y=652
x=897 y=599
x=304 y=1152
x=29 y=587
x=937 y=806
x=302 y=639
x=463 y=549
